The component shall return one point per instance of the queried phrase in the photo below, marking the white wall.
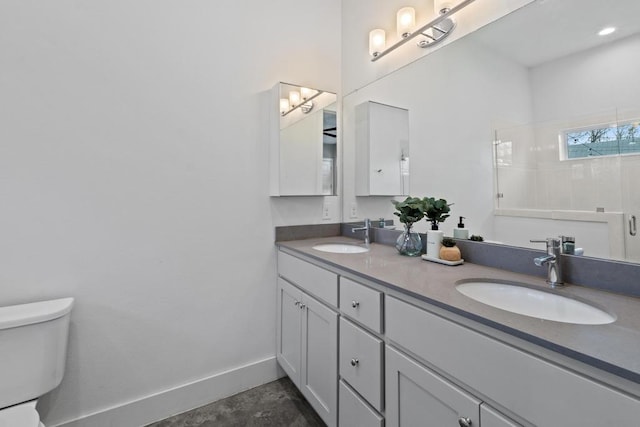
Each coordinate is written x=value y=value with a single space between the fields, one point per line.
x=133 y=178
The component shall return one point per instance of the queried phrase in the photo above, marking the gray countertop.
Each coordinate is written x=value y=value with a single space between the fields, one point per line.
x=614 y=347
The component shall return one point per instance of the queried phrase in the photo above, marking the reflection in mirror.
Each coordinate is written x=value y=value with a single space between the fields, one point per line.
x=573 y=160
x=382 y=150
x=489 y=126
x=303 y=142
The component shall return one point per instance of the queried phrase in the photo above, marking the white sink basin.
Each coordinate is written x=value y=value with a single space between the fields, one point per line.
x=341 y=248
x=534 y=303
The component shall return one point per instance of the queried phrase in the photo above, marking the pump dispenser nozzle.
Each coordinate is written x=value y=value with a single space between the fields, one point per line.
x=461 y=232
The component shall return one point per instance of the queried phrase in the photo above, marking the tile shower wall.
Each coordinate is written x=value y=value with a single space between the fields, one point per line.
x=605 y=182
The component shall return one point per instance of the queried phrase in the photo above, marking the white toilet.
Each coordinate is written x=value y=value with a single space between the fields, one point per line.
x=33 y=350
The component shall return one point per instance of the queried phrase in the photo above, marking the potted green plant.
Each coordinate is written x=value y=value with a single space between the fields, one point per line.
x=436 y=211
x=409 y=211
x=449 y=251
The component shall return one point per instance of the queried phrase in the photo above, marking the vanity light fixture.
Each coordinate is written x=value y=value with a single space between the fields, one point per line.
x=405 y=21
x=433 y=32
x=606 y=31
x=302 y=100
x=377 y=41
x=306 y=93
x=284 y=106
x=294 y=98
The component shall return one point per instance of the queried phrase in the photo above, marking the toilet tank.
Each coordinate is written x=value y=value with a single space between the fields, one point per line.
x=33 y=349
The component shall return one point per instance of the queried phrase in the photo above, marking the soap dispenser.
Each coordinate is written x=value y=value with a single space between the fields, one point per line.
x=461 y=232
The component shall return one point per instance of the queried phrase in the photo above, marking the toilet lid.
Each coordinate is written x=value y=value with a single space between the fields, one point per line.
x=23 y=415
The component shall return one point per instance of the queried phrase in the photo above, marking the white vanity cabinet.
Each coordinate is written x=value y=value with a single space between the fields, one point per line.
x=389 y=359
x=307 y=339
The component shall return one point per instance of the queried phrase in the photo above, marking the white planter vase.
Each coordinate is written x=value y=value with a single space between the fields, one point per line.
x=434 y=243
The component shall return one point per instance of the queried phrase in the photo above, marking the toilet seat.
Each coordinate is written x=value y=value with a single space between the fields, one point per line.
x=23 y=415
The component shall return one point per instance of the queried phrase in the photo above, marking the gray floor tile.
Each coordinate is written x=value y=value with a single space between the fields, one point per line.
x=278 y=403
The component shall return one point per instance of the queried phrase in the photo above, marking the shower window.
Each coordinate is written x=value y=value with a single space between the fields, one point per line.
x=603 y=141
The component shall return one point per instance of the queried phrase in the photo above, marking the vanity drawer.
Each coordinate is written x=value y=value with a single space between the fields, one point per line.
x=313 y=279
x=361 y=362
x=361 y=303
x=354 y=412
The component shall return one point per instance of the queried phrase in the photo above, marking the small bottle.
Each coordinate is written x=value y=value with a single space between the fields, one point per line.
x=381 y=223
x=461 y=232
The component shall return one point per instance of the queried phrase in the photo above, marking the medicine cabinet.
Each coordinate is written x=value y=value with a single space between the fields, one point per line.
x=303 y=141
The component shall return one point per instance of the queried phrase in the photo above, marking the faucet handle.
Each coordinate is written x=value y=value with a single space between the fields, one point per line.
x=550 y=241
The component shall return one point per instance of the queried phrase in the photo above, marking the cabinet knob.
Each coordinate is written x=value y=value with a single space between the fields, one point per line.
x=296 y=303
x=355 y=304
x=464 y=422
x=354 y=362
x=302 y=306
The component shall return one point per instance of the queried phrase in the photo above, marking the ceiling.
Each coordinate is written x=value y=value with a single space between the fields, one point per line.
x=549 y=29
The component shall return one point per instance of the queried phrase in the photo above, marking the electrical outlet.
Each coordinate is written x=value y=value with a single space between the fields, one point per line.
x=354 y=211
x=325 y=211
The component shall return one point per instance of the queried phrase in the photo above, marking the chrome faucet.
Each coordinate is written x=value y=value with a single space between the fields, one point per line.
x=365 y=228
x=552 y=259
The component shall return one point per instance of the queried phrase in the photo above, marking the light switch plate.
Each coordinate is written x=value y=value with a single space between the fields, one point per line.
x=354 y=211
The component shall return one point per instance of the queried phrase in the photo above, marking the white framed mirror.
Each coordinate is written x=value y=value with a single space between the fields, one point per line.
x=304 y=134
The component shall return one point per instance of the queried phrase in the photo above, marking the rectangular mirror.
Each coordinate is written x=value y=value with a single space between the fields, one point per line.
x=490 y=122
x=303 y=141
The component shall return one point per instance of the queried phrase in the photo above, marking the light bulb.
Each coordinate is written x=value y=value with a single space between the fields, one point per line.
x=294 y=98
x=405 y=21
x=284 y=105
x=377 y=41
x=306 y=93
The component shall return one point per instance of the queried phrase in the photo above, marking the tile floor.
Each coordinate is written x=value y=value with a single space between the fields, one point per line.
x=276 y=404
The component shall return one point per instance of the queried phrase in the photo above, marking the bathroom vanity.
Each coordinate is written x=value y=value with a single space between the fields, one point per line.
x=375 y=339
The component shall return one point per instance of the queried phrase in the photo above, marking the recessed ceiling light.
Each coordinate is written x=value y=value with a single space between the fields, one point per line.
x=606 y=31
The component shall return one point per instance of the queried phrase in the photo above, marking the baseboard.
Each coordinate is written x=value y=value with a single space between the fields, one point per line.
x=182 y=398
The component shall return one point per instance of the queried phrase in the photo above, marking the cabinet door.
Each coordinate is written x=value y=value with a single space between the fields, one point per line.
x=319 y=380
x=417 y=396
x=491 y=418
x=382 y=150
x=289 y=330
